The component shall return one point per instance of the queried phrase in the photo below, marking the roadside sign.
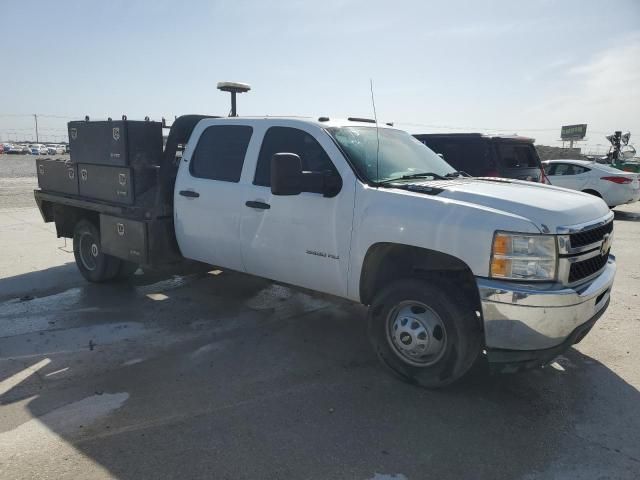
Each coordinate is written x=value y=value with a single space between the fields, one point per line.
x=573 y=132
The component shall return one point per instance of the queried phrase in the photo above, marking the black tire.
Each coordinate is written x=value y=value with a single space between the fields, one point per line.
x=126 y=270
x=458 y=343
x=94 y=265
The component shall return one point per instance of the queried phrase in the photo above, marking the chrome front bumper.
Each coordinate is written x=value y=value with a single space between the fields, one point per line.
x=537 y=317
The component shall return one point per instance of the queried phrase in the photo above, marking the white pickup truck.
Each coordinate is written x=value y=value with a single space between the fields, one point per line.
x=450 y=266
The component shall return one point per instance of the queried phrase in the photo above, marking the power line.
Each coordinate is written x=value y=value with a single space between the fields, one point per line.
x=40 y=115
x=511 y=129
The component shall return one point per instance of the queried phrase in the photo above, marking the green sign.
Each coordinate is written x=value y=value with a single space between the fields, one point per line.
x=573 y=132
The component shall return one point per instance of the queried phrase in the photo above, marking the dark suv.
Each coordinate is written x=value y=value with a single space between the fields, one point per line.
x=488 y=156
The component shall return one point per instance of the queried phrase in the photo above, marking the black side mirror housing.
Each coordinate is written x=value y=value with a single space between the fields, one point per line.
x=288 y=178
x=286 y=174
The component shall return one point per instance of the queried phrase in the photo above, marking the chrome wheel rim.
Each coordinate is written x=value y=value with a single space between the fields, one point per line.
x=416 y=333
x=88 y=250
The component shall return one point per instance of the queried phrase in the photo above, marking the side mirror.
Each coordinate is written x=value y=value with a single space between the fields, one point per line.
x=286 y=174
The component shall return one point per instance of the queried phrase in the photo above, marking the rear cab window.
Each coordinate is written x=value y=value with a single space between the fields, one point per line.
x=220 y=152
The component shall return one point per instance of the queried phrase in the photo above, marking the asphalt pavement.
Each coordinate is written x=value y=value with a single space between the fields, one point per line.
x=214 y=374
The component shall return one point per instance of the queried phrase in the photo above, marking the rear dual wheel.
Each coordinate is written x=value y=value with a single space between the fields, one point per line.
x=95 y=265
x=424 y=333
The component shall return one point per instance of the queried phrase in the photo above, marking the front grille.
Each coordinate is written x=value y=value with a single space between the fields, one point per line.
x=590 y=236
x=585 y=268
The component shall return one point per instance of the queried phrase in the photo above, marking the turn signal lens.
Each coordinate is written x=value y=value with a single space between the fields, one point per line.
x=501 y=244
x=500 y=267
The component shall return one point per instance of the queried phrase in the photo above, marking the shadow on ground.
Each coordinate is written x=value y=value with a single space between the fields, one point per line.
x=626 y=216
x=44 y=282
x=231 y=376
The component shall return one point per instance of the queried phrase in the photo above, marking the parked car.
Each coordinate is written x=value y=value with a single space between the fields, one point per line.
x=482 y=155
x=449 y=265
x=614 y=186
x=38 y=149
x=54 y=149
x=19 y=150
x=57 y=149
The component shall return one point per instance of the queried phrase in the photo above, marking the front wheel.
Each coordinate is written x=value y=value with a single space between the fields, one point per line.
x=423 y=333
x=94 y=265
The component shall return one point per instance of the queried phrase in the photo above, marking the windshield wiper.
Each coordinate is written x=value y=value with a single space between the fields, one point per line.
x=457 y=173
x=414 y=175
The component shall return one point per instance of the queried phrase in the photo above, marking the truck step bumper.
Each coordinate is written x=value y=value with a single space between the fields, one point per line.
x=529 y=317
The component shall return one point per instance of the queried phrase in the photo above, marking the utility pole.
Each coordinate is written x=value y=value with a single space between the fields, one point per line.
x=35 y=116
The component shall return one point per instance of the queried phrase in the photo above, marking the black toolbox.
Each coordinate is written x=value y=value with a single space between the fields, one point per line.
x=124 y=238
x=146 y=242
x=119 y=143
x=57 y=175
x=123 y=185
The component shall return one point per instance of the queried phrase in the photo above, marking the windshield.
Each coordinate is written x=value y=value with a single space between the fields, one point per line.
x=400 y=154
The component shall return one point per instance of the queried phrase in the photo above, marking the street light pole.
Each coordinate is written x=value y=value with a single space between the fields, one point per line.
x=35 y=116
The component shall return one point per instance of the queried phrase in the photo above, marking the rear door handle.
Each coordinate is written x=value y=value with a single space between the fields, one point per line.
x=260 y=205
x=189 y=193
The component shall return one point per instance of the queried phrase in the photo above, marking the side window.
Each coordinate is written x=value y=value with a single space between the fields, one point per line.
x=517 y=156
x=433 y=145
x=474 y=159
x=451 y=155
x=568 y=169
x=549 y=168
x=470 y=157
x=290 y=140
x=220 y=152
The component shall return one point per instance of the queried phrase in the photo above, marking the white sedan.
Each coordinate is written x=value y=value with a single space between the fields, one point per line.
x=614 y=186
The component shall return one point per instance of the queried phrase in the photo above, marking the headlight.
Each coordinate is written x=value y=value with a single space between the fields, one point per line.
x=523 y=257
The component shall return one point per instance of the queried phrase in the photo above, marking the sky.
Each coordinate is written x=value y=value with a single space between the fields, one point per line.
x=489 y=66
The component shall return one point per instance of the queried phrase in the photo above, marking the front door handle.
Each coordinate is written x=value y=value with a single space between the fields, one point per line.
x=189 y=193
x=260 y=205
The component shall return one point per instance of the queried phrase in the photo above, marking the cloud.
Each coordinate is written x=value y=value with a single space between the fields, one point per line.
x=602 y=91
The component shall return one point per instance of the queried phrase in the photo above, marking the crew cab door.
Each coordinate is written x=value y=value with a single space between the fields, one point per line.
x=208 y=197
x=299 y=239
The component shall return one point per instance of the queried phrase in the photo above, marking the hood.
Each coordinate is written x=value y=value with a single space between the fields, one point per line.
x=546 y=206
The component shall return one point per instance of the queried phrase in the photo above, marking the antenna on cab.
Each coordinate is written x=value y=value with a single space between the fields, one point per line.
x=375 y=117
x=233 y=88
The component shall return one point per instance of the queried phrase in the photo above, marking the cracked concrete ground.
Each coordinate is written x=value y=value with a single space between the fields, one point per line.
x=221 y=375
